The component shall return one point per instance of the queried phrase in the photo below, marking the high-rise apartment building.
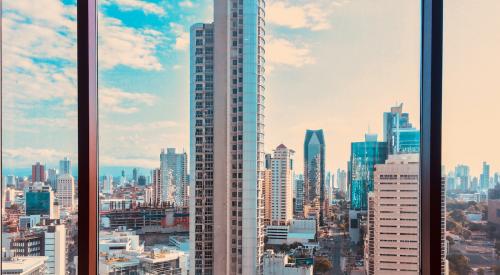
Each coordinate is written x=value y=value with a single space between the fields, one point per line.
x=66 y=191
x=393 y=235
x=364 y=156
x=227 y=138
x=55 y=249
x=65 y=166
x=399 y=133
x=282 y=193
x=485 y=177
x=175 y=165
x=107 y=185
x=314 y=169
x=462 y=177
x=156 y=184
x=38 y=172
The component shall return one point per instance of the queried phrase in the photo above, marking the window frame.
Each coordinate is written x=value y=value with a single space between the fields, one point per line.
x=430 y=154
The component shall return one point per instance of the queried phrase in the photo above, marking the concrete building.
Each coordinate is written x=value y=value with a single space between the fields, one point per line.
x=157 y=185
x=278 y=264
x=282 y=165
x=34 y=265
x=393 y=229
x=55 y=249
x=164 y=261
x=301 y=231
x=66 y=191
x=30 y=243
x=299 y=195
x=227 y=142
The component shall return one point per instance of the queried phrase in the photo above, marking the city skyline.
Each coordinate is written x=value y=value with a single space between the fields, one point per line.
x=140 y=105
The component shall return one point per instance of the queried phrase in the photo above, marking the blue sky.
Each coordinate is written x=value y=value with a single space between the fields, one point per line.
x=350 y=60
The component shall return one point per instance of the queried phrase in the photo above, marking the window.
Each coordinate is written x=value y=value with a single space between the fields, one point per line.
x=471 y=154
x=40 y=175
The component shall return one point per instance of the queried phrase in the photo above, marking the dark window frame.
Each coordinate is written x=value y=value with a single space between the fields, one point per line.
x=431 y=121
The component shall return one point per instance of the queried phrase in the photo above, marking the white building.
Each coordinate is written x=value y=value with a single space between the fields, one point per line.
x=34 y=265
x=277 y=264
x=66 y=191
x=55 y=249
x=393 y=229
x=281 y=186
x=301 y=231
x=107 y=185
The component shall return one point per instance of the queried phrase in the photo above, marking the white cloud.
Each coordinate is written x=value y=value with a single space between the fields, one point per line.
x=282 y=52
x=182 y=37
x=300 y=14
x=119 y=101
x=128 y=5
x=147 y=126
x=186 y=4
x=122 y=45
x=25 y=156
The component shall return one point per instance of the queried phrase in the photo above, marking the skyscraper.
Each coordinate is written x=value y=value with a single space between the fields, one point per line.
x=157 y=192
x=65 y=166
x=314 y=169
x=462 y=177
x=39 y=200
x=364 y=156
x=55 y=249
x=267 y=190
x=485 y=177
x=52 y=178
x=392 y=243
x=399 y=133
x=282 y=177
x=38 y=172
x=66 y=191
x=227 y=159
x=299 y=195
x=174 y=164
x=342 y=180
x=107 y=185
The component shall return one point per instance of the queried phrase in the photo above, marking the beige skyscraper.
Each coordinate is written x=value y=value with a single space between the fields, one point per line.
x=66 y=191
x=282 y=189
x=227 y=140
x=392 y=242
x=267 y=193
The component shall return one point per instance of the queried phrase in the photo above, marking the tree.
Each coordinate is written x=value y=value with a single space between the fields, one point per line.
x=322 y=265
x=458 y=216
x=295 y=245
x=459 y=264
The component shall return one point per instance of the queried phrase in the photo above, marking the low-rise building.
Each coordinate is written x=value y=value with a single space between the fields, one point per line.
x=281 y=264
x=33 y=265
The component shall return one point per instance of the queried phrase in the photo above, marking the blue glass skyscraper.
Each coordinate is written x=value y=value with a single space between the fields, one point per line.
x=314 y=168
x=364 y=156
x=399 y=133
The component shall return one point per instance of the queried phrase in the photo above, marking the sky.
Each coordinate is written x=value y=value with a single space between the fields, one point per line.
x=335 y=65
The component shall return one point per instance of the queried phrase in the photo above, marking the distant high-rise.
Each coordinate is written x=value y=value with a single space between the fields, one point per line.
x=52 y=178
x=393 y=226
x=282 y=192
x=38 y=172
x=39 y=200
x=134 y=175
x=174 y=164
x=65 y=166
x=342 y=180
x=364 y=156
x=66 y=191
x=267 y=191
x=227 y=140
x=299 y=195
x=107 y=185
x=399 y=133
x=496 y=179
x=462 y=176
x=314 y=169
x=156 y=179
x=485 y=177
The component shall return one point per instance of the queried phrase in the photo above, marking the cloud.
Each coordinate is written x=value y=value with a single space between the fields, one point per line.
x=186 y=4
x=182 y=36
x=122 y=45
x=128 y=5
x=146 y=126
x=25 y=156
x=282 y=52
x=301 y=14
x=119 y=101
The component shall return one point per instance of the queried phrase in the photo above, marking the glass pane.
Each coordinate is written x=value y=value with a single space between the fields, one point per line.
x=240 y=135
x=471 y=154
x=39 y=137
